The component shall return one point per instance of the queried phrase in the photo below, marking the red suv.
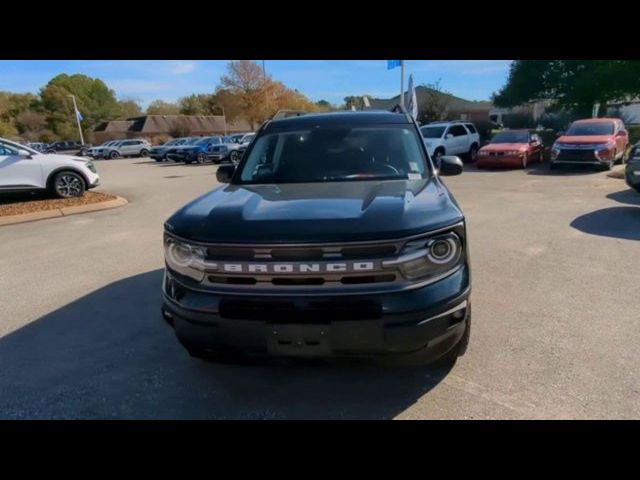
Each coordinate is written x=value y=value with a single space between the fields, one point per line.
x=594 y=141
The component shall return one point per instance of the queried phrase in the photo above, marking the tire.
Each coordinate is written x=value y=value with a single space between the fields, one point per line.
x=68 y=184
x=234 y=157
x=473 y=153
x=113 y=155
x=607 y=166
x=439 y=152
x=144 y=152
x=158 y=159
x=202 y=157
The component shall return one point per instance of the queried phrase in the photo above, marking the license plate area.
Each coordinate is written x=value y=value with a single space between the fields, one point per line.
x=299 y=340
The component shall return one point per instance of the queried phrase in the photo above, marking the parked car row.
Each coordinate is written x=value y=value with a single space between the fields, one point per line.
x=601 y=142
x=135 y=147
x=215 y=149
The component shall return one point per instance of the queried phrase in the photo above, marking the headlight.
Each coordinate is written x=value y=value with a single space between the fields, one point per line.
x=515 y=152
x=483 y=153
x=429 y=257
x=181 y=258
x=91 y=166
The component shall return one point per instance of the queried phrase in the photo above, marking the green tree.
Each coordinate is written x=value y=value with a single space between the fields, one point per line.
x=96 y=102
x=575 y=85
x=160 y=107
x=129 y=109
x=199 y=104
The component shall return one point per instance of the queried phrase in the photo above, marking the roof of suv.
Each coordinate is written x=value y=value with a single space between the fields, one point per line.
x=339 y=118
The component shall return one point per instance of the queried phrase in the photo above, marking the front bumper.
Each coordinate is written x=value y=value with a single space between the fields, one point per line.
x=430 y=320
x=499 y=161
x=632 y=174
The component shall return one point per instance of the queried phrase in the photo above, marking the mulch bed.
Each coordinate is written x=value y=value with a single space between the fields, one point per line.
x=17 y=204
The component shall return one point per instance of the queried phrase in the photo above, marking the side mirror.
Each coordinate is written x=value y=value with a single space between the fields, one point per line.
x=24 y=153
x=450 y=165
x=225 y=173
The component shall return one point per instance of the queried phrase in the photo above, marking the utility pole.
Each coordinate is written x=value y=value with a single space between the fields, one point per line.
x=225 y=120
x=75 y=112
x=402 y=85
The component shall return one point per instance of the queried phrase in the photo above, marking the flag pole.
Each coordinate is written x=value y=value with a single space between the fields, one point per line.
x=402 y=85
x=75 y=111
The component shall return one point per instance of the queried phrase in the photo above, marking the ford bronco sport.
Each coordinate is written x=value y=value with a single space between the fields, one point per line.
x=333 y=236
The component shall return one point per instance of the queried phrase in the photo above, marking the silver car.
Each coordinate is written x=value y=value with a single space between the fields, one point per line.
x=135 y=147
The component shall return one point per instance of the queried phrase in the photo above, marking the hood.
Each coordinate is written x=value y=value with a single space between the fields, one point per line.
x=65 y=158
x=316 y=212
x=585 y=139
x=504 y=147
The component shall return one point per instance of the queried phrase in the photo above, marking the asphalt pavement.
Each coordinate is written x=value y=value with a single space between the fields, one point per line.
x=555 y=330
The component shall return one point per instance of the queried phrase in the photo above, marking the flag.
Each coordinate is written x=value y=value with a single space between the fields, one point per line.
x=393 y=64
x=79 y=116
x=411 y=101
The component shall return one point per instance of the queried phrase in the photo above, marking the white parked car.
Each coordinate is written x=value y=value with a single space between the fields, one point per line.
x=451 y=138
x=24 y=169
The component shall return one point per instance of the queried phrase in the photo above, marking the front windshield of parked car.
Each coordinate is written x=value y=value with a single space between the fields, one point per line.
x=205 y=140
x=175 y=141
x=595 y=128
x=336 y=153
x=432 y=132
x=511 y=137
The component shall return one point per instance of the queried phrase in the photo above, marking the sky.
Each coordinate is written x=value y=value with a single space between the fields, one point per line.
x=331 y=80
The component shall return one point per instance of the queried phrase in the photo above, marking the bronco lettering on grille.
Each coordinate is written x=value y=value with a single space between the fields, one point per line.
x=279 y=268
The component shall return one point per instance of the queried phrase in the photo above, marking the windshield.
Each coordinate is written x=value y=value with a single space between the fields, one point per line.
x=236 y=138
x=10 y=148
x=511 y=137
x=248 y=138
x=205 y=140
x=595 y=128
x=336 y=153
x=433 y=132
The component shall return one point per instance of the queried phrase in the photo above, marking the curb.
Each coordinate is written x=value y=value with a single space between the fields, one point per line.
x=64 y=211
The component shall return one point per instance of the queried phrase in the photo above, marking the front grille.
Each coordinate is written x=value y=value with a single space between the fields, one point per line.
x=576 y=155
x=301 y=266
x=303 y=312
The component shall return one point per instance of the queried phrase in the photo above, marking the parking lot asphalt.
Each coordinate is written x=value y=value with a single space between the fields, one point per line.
x=555 y=304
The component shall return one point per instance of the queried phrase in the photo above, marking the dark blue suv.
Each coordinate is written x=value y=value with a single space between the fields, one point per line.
x=198 y=150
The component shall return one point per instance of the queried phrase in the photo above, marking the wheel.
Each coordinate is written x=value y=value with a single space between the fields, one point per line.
x=473 y=153
x=607 y=166
x=144 y=152
x=202 y=157
x=165 y=158
x=188 y=162
x=437 y=156
x=113 y=155
x=68 y=185
x=158 y=159
x=235 y=157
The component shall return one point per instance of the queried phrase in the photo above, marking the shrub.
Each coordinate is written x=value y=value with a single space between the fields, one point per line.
x=634 y=134
x=556 y=121
x=518 y=120
x=484 y=128
x=159 y=139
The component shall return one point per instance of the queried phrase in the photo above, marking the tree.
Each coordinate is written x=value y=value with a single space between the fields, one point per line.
x=160 y=107
x=435 y=105
x=129 y=109
x=96 y=102
x=199 y=104
x=354 y=101
x=575 y=85
x=245 y=79
x=255 y=97
x=325 y=106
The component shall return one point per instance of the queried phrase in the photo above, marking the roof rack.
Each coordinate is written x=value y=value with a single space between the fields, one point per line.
x=288 y=113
